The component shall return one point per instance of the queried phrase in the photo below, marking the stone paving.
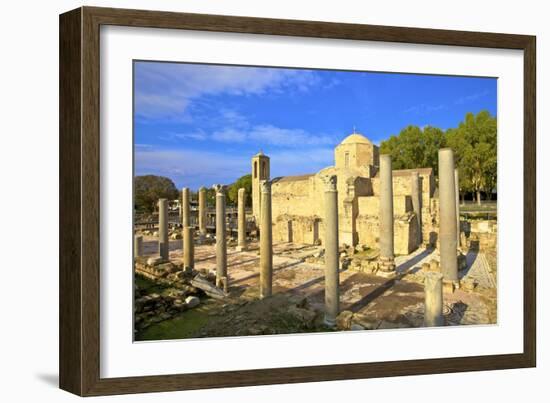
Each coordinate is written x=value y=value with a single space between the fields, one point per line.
x=299 y=270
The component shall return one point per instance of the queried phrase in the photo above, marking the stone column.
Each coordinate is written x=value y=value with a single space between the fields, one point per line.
x=433 y=299
x=185 y=219
x=457 y=203
x=241 y=220
x=188 y=248
x=163 y=229
x=266 y=241
x=332 y=261
x=202 y=212
x=387 y=264
x=138 y=245
x=187 y=231
x=416 y=194
x=447 y=216
x=221 y=245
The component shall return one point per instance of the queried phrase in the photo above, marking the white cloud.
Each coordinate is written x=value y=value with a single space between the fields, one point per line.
x=167 y=89
x=471 y=97
x=229 y=136
x=265 y=135
x=277 y=136
x=192 y=136
x=424 y=108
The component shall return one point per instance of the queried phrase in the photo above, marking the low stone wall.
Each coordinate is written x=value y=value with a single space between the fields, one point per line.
x=405 y=230
x=310 y=230
x=297 y=229
x=479 y=234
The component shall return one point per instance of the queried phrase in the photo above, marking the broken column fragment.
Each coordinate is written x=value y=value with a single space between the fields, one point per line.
x=433 y=299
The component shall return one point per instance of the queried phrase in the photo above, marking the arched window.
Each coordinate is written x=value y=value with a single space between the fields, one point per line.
x=264 y=173
x=346 y=160
x=255 y=169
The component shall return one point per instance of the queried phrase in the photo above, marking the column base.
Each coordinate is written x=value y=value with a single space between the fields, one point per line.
x=386 y=267
x=330 y=322
x=241 y=248
x=439 y=321
x=387 y=274
x=450 y=286
x=222 y=283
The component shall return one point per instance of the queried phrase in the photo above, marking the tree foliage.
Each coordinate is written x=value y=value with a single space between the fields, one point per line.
x=244 y=181
x=148 y=189
x=414 y=147
x=474 y=143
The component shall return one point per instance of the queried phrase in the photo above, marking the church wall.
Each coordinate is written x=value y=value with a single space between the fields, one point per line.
x=370 y=205
x=293 y=197
x=365 y=152
x=298 y=201
x=359 y=154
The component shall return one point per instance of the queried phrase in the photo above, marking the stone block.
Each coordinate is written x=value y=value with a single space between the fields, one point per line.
x=155 y=260
x=343 y=320
x=192 y=301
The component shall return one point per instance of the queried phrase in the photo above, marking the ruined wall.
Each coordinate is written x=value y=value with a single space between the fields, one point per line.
x=298 y=229
x=480 y=234
x=405 y=229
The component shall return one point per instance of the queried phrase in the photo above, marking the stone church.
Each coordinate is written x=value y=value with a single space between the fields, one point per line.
x=297 y=201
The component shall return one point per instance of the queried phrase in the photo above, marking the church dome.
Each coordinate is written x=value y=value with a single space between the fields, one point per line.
x=356 y=138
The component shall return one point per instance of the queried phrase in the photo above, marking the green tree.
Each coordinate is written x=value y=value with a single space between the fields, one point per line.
x=148 y=189
x=244 y=181
x=474 y=143
x=414 y=147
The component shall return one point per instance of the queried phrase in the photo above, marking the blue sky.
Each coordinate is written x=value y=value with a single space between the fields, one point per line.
x=200 y=124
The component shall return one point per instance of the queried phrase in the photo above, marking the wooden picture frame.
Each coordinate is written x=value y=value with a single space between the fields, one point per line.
x=79 y=200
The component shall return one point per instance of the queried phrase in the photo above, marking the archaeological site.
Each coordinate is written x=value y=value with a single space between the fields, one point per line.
x=356 y=246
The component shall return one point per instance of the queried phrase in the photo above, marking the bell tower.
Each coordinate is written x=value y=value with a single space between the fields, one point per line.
x=260 y=172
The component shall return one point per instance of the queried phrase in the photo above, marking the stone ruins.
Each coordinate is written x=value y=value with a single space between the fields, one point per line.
x=356 y=245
